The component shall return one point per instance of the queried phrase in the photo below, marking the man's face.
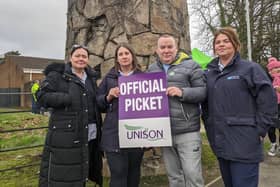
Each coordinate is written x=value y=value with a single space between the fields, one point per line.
x=166 y=49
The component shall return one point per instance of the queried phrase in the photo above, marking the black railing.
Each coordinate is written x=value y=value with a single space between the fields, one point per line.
x=20 y=167
x=10 y=112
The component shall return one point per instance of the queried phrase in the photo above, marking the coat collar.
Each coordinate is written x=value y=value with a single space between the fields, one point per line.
x=65 y=69
x=113 y=73
x=214 y=64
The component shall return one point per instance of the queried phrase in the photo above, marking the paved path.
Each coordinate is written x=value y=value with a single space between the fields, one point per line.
x=269 y=173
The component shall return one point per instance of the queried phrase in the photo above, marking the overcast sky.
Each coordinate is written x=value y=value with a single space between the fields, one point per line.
x=33 y=27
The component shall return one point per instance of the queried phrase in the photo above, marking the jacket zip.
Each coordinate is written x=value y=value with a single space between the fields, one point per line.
x=186 y=116
x=49 y=171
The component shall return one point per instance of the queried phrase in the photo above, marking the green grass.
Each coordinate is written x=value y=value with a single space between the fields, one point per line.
x=20 y=141
x=21 y=121
x=25 y=176
x=20 y=177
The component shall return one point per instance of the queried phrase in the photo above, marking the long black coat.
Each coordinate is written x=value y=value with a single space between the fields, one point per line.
x=65 y=155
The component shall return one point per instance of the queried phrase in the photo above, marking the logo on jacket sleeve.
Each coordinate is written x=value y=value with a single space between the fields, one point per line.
x=233 y=77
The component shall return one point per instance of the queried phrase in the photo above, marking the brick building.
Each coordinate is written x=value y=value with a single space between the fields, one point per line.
x=17 y=74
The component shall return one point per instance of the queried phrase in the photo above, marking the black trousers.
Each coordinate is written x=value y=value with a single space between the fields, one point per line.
x=272 y=130
x=272 y=134
x=125 y=167
x=95 y=162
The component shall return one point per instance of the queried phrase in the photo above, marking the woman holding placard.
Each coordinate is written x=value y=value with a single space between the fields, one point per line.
x=124 y=164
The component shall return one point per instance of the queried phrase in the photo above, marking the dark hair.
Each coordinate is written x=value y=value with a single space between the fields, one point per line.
x=78 y=46
x=231 y=34
x=135 y=64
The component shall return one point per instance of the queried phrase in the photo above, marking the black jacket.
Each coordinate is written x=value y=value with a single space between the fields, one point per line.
x=241 y=106
x=65 y=156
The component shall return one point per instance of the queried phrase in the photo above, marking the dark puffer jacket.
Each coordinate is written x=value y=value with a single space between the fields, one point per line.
x=65 y=155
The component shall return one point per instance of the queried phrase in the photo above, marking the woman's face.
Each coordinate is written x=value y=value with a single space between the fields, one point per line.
x=223 y=46
x=124 y=58
x=79 y=59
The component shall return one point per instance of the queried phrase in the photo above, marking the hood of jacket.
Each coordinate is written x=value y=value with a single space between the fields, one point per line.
x=66 y=68
x=58 y=67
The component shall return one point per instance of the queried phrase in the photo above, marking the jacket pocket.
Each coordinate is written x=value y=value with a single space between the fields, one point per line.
x=66 y=121
x=64 y=129
x=241 y=139
x=239 y=121
x=64 y=139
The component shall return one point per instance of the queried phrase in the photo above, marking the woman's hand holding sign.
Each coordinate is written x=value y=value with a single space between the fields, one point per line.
x=113 y=93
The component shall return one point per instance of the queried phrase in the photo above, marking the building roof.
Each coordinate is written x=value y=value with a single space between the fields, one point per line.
x=32 y=62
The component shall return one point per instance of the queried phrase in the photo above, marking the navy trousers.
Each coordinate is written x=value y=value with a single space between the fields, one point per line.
x=237 y=174
x=125 y=167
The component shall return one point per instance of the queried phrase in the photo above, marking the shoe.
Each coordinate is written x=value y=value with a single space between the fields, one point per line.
x=273 y=149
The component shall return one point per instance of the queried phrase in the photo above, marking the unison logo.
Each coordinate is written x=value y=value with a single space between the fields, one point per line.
x=138 y=132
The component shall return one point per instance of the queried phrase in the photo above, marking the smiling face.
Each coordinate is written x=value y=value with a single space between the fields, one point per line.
x=166 y=49
x=79 y=59
x=223 y=47
x=124 y=58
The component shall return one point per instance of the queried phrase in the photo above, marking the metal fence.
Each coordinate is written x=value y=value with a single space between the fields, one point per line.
x=10 y=97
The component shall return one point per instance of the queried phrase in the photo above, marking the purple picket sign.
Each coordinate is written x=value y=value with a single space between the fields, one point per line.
x=143 y=96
